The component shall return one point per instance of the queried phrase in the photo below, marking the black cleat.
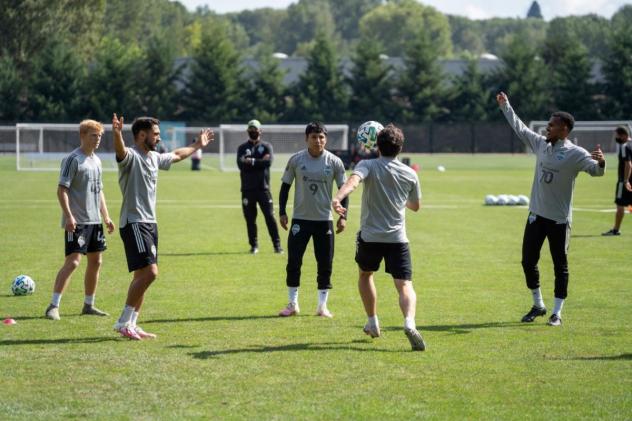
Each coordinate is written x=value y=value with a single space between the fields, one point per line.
x=533 y=313
x=92 y=311
x=611 y=233
x=254 y=250
x=278 y=250
x=554 y=320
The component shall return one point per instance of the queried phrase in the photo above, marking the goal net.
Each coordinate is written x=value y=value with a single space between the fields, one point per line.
x=285 y=139
x=589 y=134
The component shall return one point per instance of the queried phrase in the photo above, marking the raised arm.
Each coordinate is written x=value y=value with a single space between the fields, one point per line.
x=119 y=143
x=347 y=188
x=205 y=137
x=526 y=135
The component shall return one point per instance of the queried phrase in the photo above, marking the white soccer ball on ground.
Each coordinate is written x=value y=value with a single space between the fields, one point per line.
x=491 y=200
x=523 y=200
x=367 y=134
x=503 y=199
x=513 y=200
x=23 y=285
x=441 y=168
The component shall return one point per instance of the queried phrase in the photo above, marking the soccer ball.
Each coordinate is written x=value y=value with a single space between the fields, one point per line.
x=23 y=285
x=523 y=200
x=491 y=200
x=367 y=134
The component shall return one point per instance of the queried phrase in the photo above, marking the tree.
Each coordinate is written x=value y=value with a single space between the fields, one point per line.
x=534 y=11
x=469 y=95
x=617 y=70
x=320 y=93
x=305 y=19
x=11 y=90
x=420 y=88
x=348 y=13
x=397 y=23
x=214 y=88
x=266 y=93
x=371 y=83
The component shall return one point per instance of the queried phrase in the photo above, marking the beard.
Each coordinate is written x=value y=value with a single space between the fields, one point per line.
x=150 y=146
x=253 y=135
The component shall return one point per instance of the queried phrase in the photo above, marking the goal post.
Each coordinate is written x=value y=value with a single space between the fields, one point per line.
x=589 y=134
x=286 y=139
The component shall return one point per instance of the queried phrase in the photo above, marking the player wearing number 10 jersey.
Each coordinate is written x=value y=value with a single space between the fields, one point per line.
x=550 y=212
x=314 y=170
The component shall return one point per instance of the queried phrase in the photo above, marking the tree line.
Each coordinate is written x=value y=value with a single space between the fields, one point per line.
x=64 y=60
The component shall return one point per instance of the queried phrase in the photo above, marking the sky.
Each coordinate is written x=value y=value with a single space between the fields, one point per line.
x=474 y=9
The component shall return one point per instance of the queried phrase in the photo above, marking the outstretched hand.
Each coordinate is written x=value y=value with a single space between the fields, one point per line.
x=206 y=136
x=117 y=124
x=502 y=98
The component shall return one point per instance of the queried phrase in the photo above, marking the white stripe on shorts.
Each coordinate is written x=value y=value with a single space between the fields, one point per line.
x=619 y=190
x=69 y=236
x=139 y=239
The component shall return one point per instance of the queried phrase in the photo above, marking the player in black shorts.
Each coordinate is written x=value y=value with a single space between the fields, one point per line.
x=623 y=190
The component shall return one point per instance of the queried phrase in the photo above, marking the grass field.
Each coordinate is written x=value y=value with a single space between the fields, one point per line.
x=223 y=353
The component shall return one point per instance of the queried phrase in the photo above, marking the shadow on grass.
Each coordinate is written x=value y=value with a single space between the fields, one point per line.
x=323 y=346
x=620 y=357
x=60 y=341
x=208 y=253
x=459 y=329
x=585 y=235
x=210 y=319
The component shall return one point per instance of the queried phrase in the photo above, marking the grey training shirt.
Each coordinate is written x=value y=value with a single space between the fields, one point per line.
x=314 y=182
x=556 y=168
x=81 y=175
x=388 y=185
x=138 y=179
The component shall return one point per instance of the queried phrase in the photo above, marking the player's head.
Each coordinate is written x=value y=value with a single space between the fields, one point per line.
x=621 y=134
x=90 y=132
x=390 y=140
x=316 y=137
x=146 y=131
x=254 y=129
x=560 y=125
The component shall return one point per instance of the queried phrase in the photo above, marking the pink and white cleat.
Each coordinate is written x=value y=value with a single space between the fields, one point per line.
x=291 y=310
x=127 y=331
x=144 y=335
x=324 y=312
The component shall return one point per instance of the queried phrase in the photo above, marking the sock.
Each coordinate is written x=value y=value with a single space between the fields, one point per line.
x=89 y=300
x=126 y=315
x=374 y=321
x=537 y=298
x=292 y=293
x=409 y=323
x=323 y=294
x=134 y=318
x=56 y=299
x=559 y=303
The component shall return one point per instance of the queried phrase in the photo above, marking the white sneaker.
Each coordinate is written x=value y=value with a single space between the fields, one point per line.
x=324 y=312
x=373 y=330
x=144 y=335
x=127 y=331
x=416 y=341
x=290 y=310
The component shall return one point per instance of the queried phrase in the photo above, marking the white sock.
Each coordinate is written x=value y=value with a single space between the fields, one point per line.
x=537 y=298
x=134 y=318
x=292 y=293
x=56 y=299
x=89 y=300
x=559 y=303
x=323 y=294
x=409 y=323
x=126 y=315
x=373 y=321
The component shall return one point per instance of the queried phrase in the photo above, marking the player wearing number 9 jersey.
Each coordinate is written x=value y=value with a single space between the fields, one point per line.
x=558 y=161
x=314 y=170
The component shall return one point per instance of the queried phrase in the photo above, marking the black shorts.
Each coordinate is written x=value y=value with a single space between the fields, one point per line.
x=85 y=239
x=622 y=197
x=396 y=257
x=141 y=244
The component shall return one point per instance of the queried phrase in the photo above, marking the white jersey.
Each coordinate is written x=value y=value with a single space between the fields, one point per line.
x=556 y=168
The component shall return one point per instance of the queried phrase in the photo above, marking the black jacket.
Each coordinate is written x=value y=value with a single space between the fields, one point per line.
x=254 y=176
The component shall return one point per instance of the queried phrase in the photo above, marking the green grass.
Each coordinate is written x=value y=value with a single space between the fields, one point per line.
x=222 y=353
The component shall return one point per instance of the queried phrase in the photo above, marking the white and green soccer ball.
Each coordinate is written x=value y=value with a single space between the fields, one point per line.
x=367 y=134
x=23 y=285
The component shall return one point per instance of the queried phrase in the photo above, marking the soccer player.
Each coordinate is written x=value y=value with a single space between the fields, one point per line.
x=254 y=158
x=314 y=170
x=80 y=194
x=558 y=161
x=138 y=178
x=389 y=188
x=623 y=191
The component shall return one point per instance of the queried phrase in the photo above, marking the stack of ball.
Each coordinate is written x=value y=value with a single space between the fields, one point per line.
x=506 y=200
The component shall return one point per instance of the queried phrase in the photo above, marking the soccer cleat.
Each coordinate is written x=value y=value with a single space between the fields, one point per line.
x=372 y=330
x=52 y=312
x=254 y=250
x=611 y=233
x=278 y=250
x=92 y=310
x=291 y=310
x=143 y=334
x=554 y=320
x=324 y=312
x=127 y=331
x=415 y=339
x=533 y=313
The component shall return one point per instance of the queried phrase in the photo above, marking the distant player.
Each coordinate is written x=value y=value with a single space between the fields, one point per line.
x=80 y=194
x=389 y=188
x=315 y=170
x=254 y=158
x=550 y=211
x=138 y=178
x=623 y=190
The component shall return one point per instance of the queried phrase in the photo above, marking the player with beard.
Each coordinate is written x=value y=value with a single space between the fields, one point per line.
x=138 y=178
x=623 y=192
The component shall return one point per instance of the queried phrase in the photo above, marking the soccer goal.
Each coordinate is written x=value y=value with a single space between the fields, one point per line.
x=42 y=146
x=285 y=139
x=589 y=134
